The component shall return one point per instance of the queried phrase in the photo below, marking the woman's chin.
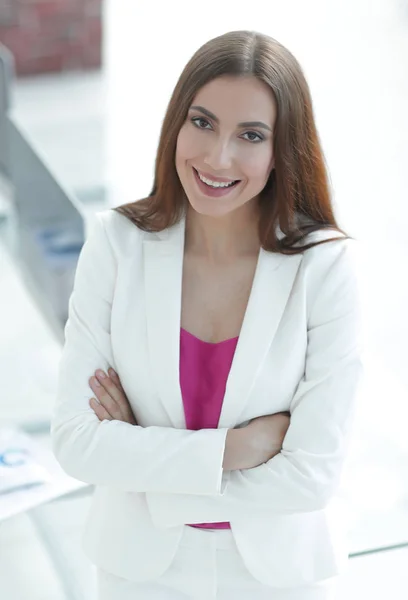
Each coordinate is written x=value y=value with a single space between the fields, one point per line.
x=210 y=207
x=210 y=212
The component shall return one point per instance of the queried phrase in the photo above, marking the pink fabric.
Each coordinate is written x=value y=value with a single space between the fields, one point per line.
x=204 y=369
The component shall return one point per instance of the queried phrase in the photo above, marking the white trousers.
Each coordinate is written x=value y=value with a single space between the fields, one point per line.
x=207 y=565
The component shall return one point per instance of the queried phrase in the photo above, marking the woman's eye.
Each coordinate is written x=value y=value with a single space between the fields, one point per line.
x=202 y=123
x=258 y=137
x=197 y=120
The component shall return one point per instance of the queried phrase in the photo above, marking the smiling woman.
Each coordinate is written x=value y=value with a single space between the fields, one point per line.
x=242 y=111
x=233 y=327
x=223 y=149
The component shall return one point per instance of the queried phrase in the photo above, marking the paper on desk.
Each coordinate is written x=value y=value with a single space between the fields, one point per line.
x=29 y=474
x=19 y=467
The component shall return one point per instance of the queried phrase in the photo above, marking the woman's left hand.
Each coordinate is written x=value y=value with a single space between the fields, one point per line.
x=111 y=401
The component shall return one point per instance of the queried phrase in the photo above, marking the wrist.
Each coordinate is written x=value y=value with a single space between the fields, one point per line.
x=237 y=450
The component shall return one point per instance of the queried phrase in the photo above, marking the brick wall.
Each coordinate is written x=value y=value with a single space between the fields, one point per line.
x=48 y=36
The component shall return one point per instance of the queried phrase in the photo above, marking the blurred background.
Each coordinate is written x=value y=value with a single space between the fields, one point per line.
x=84 y=85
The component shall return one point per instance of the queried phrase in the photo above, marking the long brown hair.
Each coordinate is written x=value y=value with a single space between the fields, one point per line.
x=298 y=185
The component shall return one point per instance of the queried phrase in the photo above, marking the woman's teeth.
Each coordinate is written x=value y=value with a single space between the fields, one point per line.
x=215 y=184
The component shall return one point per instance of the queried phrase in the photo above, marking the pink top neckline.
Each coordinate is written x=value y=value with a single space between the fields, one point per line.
x=209 y=343
x=204 y=370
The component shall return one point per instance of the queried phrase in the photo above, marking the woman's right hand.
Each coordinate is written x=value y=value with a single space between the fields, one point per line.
x=255 y=443
x=264 y=437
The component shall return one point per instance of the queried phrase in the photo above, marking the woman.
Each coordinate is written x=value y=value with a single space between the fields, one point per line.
x=226 y=302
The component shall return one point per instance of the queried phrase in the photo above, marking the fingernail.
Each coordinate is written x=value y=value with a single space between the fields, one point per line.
x=100 y=374
x=96 y=382
x=112 y=372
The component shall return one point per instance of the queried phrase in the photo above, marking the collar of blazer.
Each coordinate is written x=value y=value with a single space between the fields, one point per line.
x=163 y=261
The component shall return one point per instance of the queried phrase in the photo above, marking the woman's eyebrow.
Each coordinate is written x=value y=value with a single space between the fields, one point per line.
x=216 y=119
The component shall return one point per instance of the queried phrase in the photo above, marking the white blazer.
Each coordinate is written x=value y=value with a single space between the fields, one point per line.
x=298 y=351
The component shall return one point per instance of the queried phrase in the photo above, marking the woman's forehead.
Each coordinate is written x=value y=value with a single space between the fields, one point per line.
x=238 y=99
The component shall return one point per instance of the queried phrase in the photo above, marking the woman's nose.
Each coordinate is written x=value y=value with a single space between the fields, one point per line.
x=219 y=156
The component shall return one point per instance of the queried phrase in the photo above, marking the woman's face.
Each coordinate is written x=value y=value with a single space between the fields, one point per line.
x=227 y=137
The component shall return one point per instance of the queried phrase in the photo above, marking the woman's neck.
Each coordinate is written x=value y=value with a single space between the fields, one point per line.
x=222 y=239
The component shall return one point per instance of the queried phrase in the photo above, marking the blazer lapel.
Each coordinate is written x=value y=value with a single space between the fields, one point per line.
x=163 y=269
x=273 y=281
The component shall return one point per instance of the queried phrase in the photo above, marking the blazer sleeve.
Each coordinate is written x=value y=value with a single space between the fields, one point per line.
x=114 y=453
x=305 y=475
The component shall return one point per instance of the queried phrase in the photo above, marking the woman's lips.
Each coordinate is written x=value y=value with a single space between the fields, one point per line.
x=213 y=192
x=214 y=177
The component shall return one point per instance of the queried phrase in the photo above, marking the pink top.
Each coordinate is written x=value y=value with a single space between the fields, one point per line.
x=204 y=369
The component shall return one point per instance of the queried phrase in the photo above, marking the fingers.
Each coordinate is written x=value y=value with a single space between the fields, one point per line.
x=99 y=410
x=121 y=398
x=106 y=392
x=115 y=378
x=111 y=395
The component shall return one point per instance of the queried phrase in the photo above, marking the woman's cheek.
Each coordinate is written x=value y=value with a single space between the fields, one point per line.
x=258 y=165
x=187 y=144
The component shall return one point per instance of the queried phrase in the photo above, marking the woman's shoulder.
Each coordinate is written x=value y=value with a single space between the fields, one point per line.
x=328 y=245
x=119 y=229
x=338 y=257
x=116 y=223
